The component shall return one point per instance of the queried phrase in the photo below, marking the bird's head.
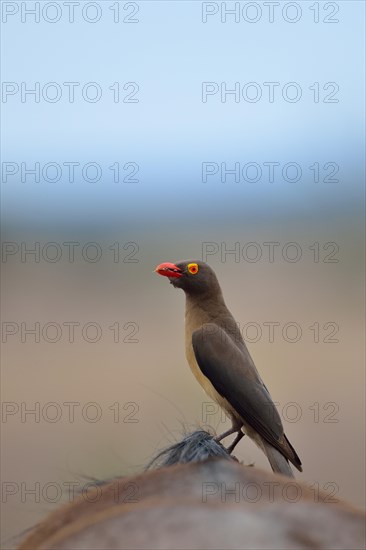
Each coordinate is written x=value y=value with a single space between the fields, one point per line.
x=192 y=276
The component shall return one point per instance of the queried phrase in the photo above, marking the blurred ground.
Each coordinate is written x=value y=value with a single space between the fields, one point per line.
x=142 y=391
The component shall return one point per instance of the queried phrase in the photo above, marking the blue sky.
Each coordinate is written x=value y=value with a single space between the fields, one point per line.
x=169 y=132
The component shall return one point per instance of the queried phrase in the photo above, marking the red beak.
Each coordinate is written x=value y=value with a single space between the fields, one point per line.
x=169 y=270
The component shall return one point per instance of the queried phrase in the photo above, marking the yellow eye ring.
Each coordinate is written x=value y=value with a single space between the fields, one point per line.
x=192 y=268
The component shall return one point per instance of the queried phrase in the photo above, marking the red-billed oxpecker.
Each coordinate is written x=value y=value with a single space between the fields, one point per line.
x=220 y=360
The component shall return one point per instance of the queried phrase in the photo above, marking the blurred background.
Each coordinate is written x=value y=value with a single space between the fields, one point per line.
x=149 y=186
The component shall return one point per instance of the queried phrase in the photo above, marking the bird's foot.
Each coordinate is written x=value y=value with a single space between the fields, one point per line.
x=218 y=438
x=235 y=442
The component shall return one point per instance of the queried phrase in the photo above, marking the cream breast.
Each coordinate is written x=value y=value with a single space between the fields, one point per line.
x=195 y=317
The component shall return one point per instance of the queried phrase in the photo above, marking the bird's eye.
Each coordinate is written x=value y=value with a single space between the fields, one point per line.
x=192 y=268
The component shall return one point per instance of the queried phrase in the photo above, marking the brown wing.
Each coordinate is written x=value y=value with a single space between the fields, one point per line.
x=231 y=374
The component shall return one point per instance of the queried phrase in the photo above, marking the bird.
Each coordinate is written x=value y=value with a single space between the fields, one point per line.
x=219 y=359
